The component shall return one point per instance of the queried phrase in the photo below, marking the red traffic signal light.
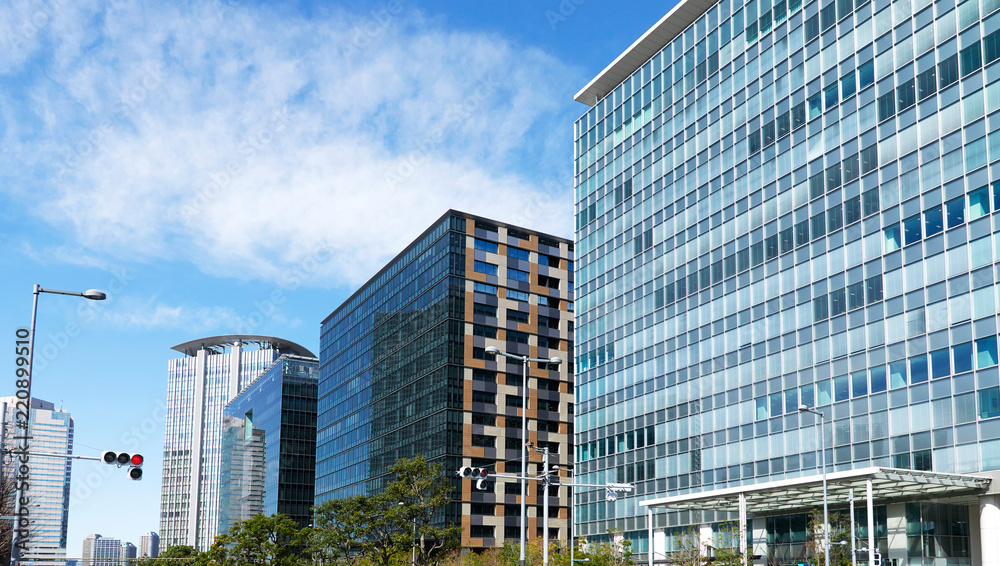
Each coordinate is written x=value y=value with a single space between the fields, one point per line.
x=477 y=474
x=133 y=461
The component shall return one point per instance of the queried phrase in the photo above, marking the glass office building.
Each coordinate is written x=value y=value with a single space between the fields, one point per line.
x=47 y=490
x=269 y=445
x=404 y=371
x=213 y=372
x=785 y=203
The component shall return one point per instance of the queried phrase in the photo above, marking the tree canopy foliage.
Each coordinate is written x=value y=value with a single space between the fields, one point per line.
x=381 y=529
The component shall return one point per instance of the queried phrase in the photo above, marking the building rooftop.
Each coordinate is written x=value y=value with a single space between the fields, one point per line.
x=651 y=42
x=347 y=303
x=220 y=343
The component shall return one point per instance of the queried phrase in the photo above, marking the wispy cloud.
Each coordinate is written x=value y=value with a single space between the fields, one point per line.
x=244 y=139
x=154 y=314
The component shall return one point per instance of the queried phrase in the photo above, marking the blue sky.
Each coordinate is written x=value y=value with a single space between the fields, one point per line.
x=219 y=167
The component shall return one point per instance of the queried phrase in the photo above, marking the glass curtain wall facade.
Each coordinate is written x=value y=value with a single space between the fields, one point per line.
x=404 y=371
x=269 y=445
x=48 y=488
x=788 y=202
x=212 y=372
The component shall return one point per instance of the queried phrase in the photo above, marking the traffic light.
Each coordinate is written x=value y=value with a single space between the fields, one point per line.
x=135 y=467
x=478 y=474
x=133 y=461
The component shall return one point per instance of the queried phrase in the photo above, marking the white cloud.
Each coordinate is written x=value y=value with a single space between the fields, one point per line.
x=151 y=313
x=131 y=312
x=245 y=140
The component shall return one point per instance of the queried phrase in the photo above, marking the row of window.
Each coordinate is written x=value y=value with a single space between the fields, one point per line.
x=934 y=220
x=515 y=274
x=517 y=316
x=490 y=376
x=509 y=533
x=786 y=240
x=522 y=296
x=616 y=443
x=847 y=298
x=511 y=443
x=515 y=336
x=520 y=253
x=958 y=359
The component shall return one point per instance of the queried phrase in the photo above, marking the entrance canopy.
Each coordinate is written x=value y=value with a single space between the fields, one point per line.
x=784 y=496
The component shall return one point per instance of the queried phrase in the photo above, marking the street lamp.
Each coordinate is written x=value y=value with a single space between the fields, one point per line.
x=92 y=294
x=822 y=455
x=524 y=429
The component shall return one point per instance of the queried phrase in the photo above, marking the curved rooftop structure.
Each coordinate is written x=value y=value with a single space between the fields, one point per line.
x=220 y=343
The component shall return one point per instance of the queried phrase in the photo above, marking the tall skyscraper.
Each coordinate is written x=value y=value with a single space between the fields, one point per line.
x=785 y=203
x=404 y=369
x=269 y=445
x=149 y=545
x=48 y=479
x=199 y=385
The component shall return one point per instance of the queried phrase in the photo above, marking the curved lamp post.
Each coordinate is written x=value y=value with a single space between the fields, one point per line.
x=92 y=294
x=524 y=429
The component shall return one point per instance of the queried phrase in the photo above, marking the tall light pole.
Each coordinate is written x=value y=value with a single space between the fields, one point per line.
x=92 y=294
x=524 y=430
x=826 y=522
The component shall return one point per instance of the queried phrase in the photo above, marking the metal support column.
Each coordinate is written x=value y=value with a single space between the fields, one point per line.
x=649 y=530
x=870 y=507
x=743 y=529
x=854 y=549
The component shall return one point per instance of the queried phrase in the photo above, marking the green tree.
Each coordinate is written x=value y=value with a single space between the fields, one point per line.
x=387 y=532
x=261 y=540
x=180 y=555
x=840 y=531
x=420 y=491
x=615 y=552
x=727 y=546
x=340 y=527
x=686 y=548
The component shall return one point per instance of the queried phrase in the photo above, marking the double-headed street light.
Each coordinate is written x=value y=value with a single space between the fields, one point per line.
x=826 y=523
x=524 y=429
x=92 y=294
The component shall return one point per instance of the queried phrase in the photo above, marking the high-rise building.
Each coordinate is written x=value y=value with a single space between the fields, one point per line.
x=48 y=479
x=269 y=445
x=103 y=551
x=781 y=204
x=199 y=385
x=149 y=545
x=404 y=370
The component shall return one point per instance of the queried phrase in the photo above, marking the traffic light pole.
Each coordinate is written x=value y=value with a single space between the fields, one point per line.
x=544 y=478
x=66 y=456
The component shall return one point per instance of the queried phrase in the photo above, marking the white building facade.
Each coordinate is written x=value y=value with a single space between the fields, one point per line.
x=149 y=545
x=103 y=551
